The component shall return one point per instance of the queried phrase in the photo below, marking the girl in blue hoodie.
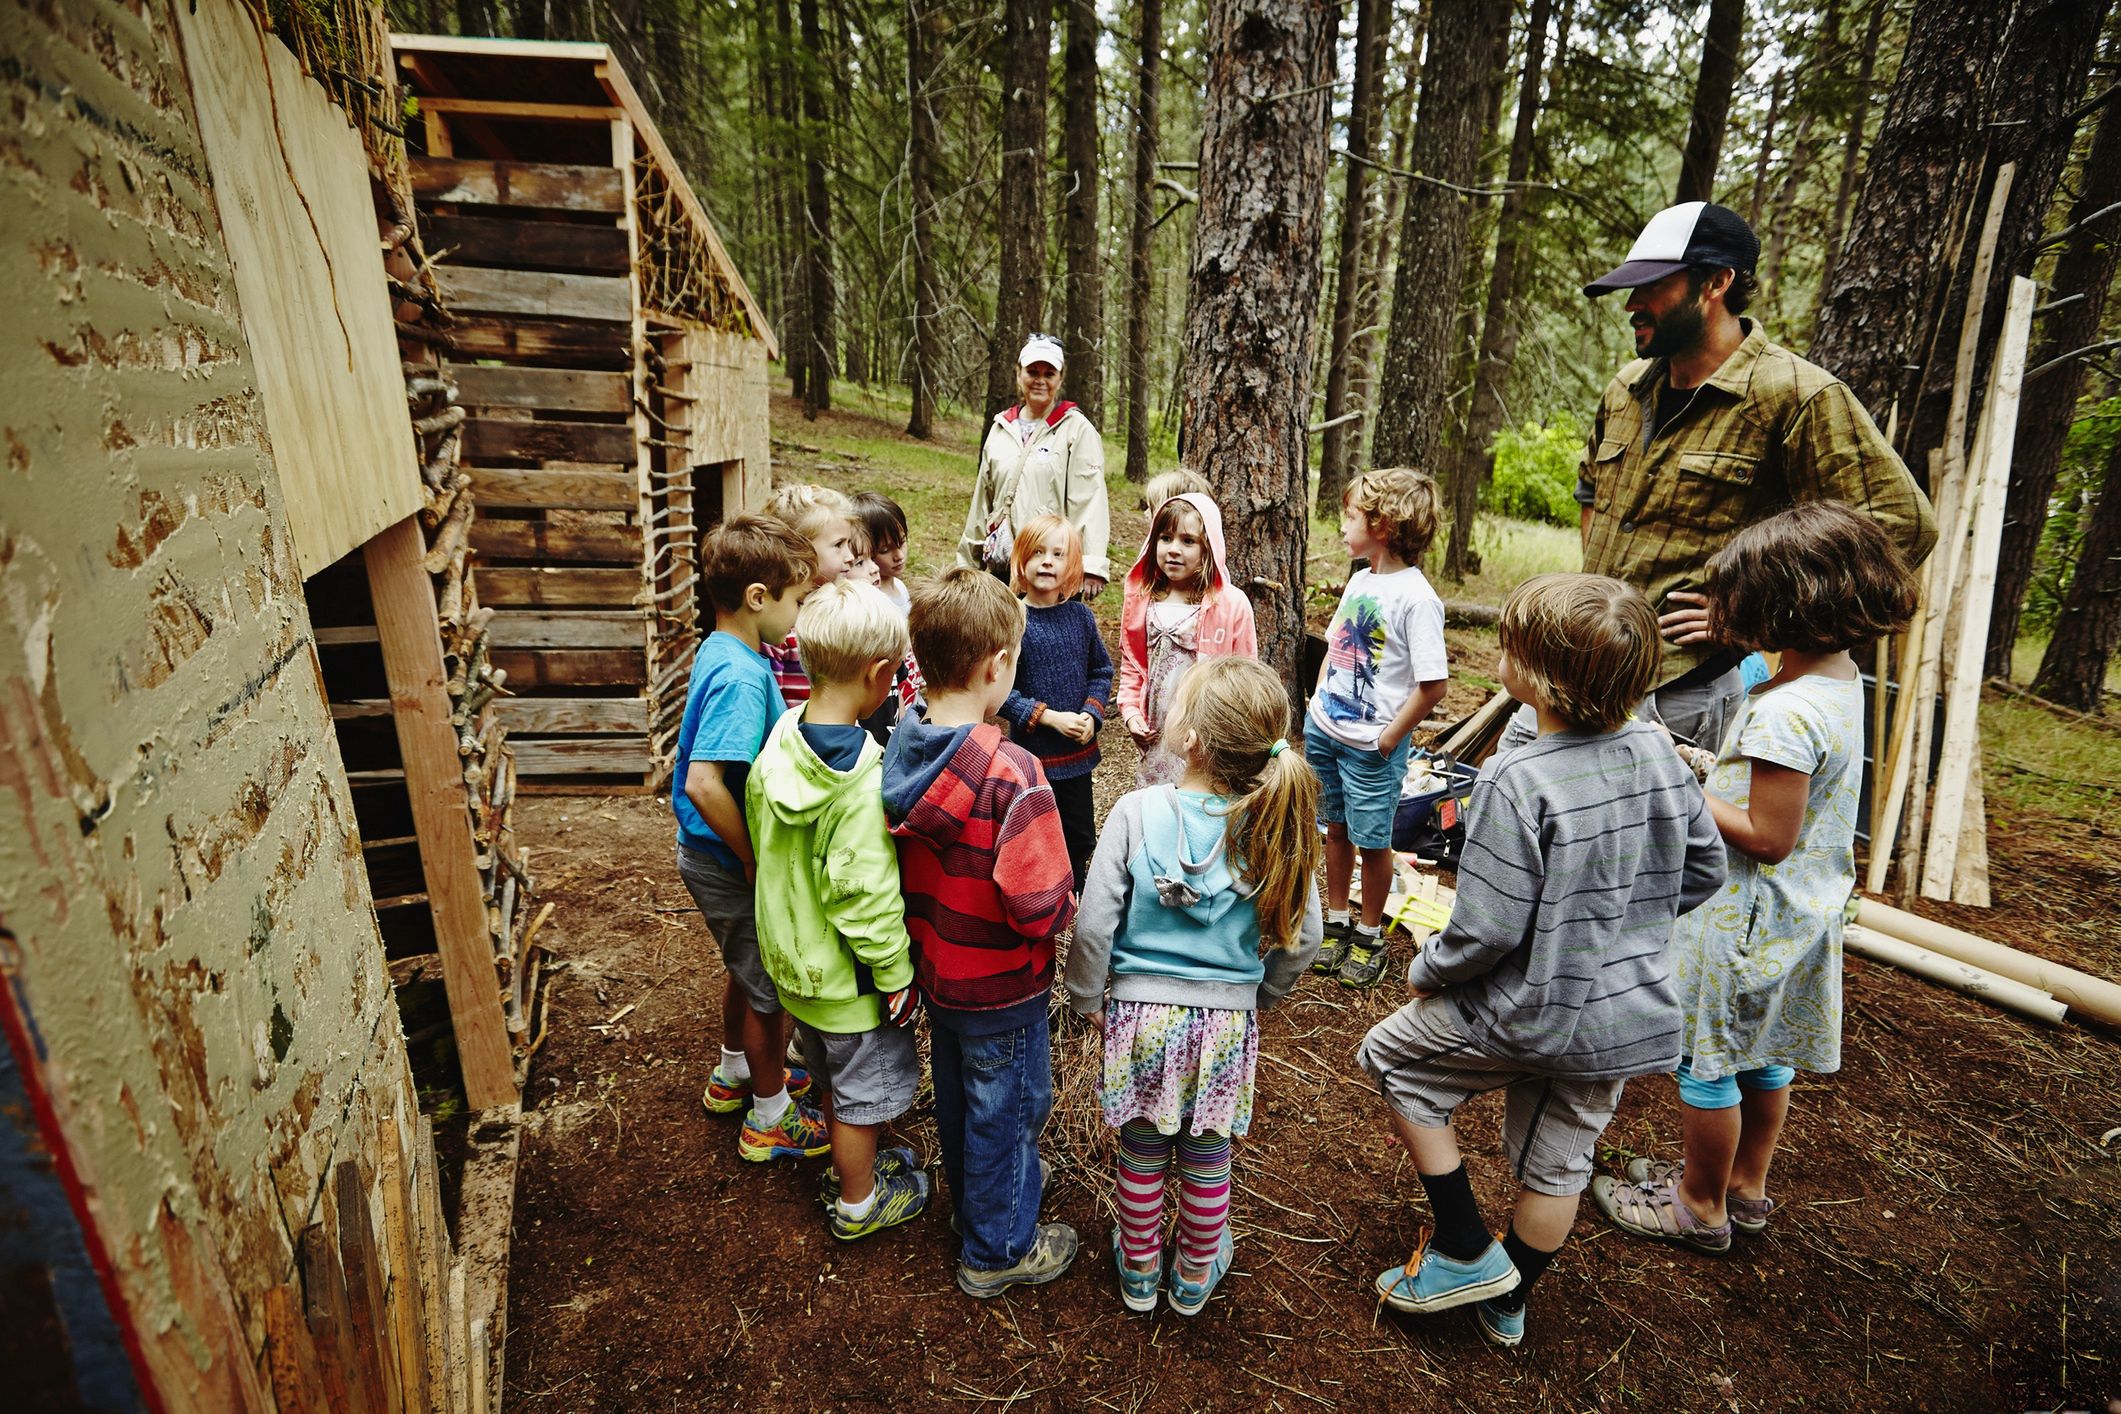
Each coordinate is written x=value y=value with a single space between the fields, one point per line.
x=1199 y=908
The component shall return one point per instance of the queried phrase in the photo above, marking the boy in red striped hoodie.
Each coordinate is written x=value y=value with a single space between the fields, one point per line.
x=984 y=867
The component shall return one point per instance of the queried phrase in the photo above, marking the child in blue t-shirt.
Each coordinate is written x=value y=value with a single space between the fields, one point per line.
x=756 y=571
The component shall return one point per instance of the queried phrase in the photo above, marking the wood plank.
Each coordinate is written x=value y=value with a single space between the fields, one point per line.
x=581 y=756
x=485 y=1216
x=541 y=294
x=552 y=490
x=412 y=660
x=330 y=1322
x=525 y=245
x=532 y=668
x=299 y=225
x=550 y=716
x=501 y=588
x=513 y=111
x=290 y=1353
x=364 y=1288
x=545 y=186
x=522 y=338
x=435 y=1257
x=547 y=389
x=606 y=542
x=459 y=1340
x=608 y=443
x=402 y=1256
x=531 y=628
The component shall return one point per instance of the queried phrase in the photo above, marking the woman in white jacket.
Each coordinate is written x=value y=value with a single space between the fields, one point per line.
x=1041 y=457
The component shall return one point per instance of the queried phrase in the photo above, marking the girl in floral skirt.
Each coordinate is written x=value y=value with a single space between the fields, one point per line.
x=1199 y=908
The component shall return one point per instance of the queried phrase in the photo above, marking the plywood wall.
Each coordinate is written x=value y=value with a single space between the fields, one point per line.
x=726 y=375
x=290 y=181
x=195 y=984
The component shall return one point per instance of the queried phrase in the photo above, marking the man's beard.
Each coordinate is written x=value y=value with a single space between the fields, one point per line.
x=1676 y=332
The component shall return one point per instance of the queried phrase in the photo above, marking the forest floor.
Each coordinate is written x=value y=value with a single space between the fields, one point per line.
x=1947 y=1241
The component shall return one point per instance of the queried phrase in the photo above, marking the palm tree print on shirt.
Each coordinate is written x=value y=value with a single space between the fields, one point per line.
x=1355 y=645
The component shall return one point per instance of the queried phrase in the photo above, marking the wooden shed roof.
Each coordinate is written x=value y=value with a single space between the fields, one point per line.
x=549 y=101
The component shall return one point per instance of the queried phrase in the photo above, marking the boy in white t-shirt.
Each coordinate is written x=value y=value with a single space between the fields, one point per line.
x=1385 y=670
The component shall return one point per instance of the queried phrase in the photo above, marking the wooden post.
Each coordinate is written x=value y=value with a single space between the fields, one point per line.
x=412 y=664
x=622 y=154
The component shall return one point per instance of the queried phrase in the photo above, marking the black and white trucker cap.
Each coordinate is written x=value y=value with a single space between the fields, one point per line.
x=1691 y=233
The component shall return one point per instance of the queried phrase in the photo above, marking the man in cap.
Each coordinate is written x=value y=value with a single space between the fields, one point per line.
x=1710 y=429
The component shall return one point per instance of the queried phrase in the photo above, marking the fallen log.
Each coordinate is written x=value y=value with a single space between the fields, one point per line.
x=2079 y=991
x=1962 y=977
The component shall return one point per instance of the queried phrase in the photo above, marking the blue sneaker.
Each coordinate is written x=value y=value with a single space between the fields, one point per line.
x=1503 y=1328
x=1437 y=1282
x=1187 y=1297
x=1137 y=1289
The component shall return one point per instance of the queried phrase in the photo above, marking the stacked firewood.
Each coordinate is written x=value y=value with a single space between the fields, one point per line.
x=474 y=682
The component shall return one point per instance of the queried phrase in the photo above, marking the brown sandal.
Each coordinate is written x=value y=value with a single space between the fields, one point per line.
x=1655 y=1210
x=1748 y=1215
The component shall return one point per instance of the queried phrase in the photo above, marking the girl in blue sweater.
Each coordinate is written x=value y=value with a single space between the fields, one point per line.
x=1063 y=677
x=1200 y=908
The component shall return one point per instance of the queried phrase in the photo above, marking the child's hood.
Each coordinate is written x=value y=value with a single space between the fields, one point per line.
x=794 y=783
x=915 y=767
x=1211 y=519
x=1183 y=839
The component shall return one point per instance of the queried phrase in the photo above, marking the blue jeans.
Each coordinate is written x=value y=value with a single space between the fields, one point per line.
x=992 y=1096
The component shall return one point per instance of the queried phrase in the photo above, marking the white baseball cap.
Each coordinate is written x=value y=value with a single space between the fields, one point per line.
x=1041 y=348
x=1691 y=233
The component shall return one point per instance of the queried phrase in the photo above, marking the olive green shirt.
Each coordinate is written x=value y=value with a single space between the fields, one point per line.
x=1765 y=431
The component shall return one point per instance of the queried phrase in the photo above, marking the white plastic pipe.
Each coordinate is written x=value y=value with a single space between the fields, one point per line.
x=2079 y=991
x=1950 y=972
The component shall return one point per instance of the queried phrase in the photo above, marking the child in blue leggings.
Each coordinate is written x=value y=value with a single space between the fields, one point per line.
x=1758 y=967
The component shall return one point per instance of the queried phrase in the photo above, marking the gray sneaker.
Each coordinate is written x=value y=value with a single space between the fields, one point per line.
x=1051 y=1252
x=1333 y=947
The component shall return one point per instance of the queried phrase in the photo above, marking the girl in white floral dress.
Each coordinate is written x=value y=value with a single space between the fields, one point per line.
x=1758 y=967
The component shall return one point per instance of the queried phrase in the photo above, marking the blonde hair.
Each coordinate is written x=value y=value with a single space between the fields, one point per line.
x=1237 y=711
x=807 y=508
x=959 y=619
x=845 y=626
x=1399 y=505
x=1030 y=538
x=1586 y=643
x=1166 y=484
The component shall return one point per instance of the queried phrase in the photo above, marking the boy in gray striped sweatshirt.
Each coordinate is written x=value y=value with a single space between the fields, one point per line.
x=1551 y=979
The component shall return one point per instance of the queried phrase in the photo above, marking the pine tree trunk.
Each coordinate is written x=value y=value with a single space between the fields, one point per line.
x=795 y=337
x=1139 y=269
x=1851 y=156
x=2083 y=281
x=1712 y=101
x=2073 y=670
x=1879 y=313
x=1083 y=329
x=1499 y=327
x=1371 y=18
x=1252 y=299
x=817 y=223
x=1758 y=199
x=920 y=192
x=1020 y=301
x=477 y=17
x=1383 y=247
x=1433 y=237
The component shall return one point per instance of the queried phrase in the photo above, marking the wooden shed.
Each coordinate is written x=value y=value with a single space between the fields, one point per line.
x=612 y=364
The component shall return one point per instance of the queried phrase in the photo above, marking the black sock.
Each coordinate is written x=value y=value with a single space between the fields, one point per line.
x=1459 y=1232
x=1531 y=1264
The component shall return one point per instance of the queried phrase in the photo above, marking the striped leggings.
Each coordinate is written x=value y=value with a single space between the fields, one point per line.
x=1203 y=1192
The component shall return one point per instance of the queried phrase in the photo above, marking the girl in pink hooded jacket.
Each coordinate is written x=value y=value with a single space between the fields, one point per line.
x=1178 y=606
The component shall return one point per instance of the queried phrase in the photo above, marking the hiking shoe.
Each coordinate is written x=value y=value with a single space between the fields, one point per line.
x=1137 y=1290
x=798 y=1134
x=724 y=1096
x=1503 y=1328
x=1655 y=1209
x=1052 y=1250
x=1747 y=1215
x=1187 y=1296
x=899 y=1157
x=1333 y=947
x=901 y=1196
x=1438 y=1283
x=1365 y=962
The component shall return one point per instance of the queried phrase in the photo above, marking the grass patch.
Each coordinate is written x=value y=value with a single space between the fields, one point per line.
x=2036 y=760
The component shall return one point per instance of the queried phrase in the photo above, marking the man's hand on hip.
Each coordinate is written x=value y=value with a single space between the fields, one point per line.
x=1686 y=619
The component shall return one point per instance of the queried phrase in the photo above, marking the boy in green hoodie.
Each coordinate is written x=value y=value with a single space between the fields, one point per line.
x=831 y=919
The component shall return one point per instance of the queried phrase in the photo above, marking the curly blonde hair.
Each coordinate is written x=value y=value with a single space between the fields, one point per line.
x=1399 y=504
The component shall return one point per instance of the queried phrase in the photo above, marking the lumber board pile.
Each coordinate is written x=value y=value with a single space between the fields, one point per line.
x=1942 y=841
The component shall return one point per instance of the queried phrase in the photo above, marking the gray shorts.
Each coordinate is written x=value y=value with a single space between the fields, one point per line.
x=1426 y=1067
x=724 y=899
x=872 y=1075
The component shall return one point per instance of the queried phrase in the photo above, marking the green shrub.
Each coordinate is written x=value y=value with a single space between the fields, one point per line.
x=1535 y=470
x=2078 y=484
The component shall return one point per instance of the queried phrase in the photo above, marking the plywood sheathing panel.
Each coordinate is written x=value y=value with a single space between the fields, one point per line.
x=290 y=178
x=190 y=933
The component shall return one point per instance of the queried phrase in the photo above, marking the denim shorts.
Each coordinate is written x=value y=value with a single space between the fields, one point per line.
x=1356 y=786
x=1722 y=1093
